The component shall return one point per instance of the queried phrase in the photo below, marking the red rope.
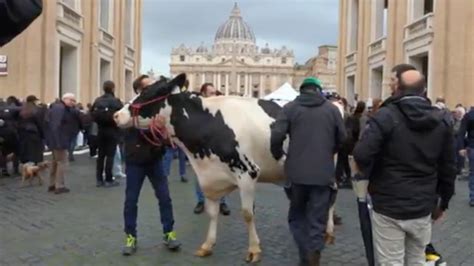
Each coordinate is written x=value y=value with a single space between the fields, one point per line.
x=157 y=130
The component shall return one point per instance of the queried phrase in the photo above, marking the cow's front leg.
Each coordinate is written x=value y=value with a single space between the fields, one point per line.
x=212 y=209
x=247 y=193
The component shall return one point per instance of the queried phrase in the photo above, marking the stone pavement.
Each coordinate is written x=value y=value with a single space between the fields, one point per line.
x=84 y=227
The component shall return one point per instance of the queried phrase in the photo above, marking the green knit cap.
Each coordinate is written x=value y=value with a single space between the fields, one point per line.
x=312 y=81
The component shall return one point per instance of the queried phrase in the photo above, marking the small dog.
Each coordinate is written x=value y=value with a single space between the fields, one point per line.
x=31 y=171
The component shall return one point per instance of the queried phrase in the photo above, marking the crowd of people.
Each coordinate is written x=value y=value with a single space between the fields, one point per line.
x=394 y=143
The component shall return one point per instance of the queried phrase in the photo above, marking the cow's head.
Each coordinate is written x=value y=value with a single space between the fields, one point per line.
x=153 y=101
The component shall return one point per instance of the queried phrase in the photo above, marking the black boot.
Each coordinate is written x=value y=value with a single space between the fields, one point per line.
x=314 y=258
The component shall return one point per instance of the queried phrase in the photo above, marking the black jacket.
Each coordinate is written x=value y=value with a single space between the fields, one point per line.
x=10 y=114
x=61 y=127
x=8 y=140
x=138 y=151
x=466 y=133
x=109 y=104
x=316 y=131
x=408 y=152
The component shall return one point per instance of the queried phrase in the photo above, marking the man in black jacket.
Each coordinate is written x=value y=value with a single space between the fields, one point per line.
x=143 y=159
x=407 y=151
x=103 y=111
x=9 y=113
x=316 y=131
x=466 y=135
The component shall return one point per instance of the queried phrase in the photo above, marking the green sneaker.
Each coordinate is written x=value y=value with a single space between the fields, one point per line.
x=171 y=242
x=130 y=246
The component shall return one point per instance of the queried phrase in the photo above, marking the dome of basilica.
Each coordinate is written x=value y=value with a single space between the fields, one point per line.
x=235 y=28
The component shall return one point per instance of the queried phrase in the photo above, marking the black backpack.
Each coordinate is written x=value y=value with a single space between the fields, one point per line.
x=103 y=113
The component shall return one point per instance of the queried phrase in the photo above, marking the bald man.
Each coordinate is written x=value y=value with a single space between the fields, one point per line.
x=407 y=152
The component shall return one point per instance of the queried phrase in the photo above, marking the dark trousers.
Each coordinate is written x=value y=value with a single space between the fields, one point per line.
x=135 y=177
x=92 y=142
x=343 y=167
x=308 y=216
x=107 y=144
x=72 y=148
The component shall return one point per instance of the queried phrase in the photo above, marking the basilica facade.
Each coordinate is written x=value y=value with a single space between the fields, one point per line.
x=234 y=63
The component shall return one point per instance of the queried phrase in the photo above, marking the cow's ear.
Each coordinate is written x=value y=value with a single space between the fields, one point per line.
x=178 y=81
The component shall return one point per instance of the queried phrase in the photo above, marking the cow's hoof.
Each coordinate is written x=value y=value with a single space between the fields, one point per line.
x=253 y=257
x=203 y=253
x=329 y=239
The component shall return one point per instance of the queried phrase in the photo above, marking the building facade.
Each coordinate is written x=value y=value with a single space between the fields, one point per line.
x=74 y=46
x=234 y=64
x=324 y=66
x=436 y=36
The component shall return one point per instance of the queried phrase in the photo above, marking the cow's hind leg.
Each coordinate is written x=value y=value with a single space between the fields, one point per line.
x=247 y=194
x=329 y=237
x=212 y=208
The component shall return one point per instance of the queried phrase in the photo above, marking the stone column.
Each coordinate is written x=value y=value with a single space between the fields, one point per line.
x=261 y=86
x=191 y=81
x=246 y=84
x=274 y=82
x=226 y=84
x=237 y=90
x=214 y=79
x=250 y=91
x=203 y=78
x=219 y=83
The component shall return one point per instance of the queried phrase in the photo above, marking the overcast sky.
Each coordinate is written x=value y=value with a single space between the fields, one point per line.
x=301 y=25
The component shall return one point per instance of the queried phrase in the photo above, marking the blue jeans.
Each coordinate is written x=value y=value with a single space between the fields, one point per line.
x=135 y=177
x=471 y=174
x=200 y=196
x=168 y=159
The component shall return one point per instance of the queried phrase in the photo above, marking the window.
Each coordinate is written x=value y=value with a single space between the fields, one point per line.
x=428 y=7
x=255 y=94
x=70 y=3
x=129 y=22
x=104 y=14
x=223 y=59
x=353 y=26
x=421 y=8
x=380 y=7
x=283 y=60
x=182 y=58
x=242 y=60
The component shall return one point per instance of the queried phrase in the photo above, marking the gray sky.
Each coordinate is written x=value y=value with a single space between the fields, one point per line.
x=301 y=25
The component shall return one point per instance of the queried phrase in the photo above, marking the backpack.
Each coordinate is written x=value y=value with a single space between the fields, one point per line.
x=102 y=113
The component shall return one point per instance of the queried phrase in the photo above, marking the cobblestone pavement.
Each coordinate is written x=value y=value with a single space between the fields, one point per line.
x=84 y=227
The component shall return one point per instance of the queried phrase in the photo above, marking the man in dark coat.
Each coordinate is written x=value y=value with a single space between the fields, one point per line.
x=407 y=151
x=8 y=140
x=466 y=137
x=31 y=131
x=61 y=120
x=9 y=113
x=103 y=110
x=316 y=130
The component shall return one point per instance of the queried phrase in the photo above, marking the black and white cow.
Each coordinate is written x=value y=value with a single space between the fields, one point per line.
x=227 y=141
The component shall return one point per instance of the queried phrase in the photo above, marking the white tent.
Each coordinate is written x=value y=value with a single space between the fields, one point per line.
x=282 y=95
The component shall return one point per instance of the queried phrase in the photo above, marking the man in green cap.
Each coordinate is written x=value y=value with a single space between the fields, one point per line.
x=316 y=131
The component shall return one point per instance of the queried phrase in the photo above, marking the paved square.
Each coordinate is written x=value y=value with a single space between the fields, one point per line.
x=84 y=227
